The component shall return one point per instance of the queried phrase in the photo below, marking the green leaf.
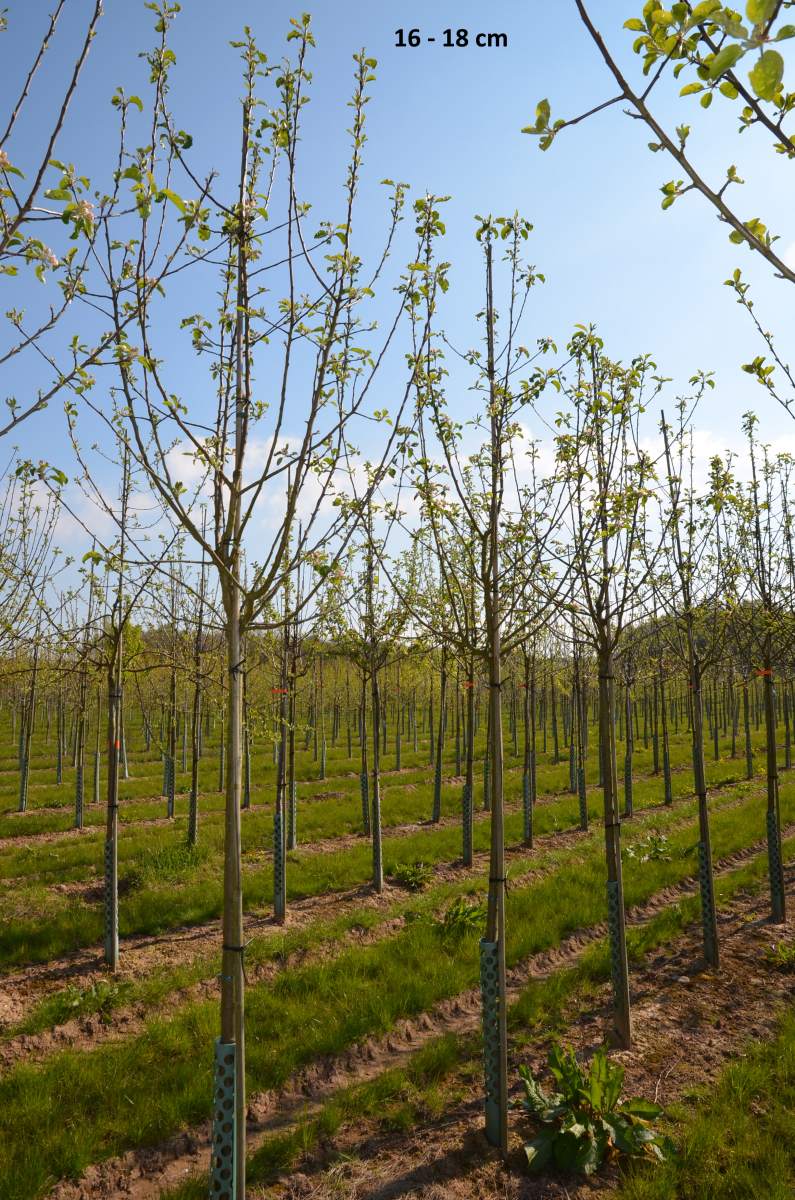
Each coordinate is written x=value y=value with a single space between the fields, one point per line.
x=759 y=12
x=703 y=11
x=635 y=24
x=539 y=1151
x=786 y=31
x=645 y=1109
x=766 y=74
x=575 y=1150
x=724 y=60
x=175 y=199
x=691 y=88
x=625 y=1134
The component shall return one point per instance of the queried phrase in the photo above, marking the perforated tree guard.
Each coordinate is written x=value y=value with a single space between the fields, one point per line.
x=707 y=902
x=170 y=785
x=489 y=978
x=583 y=796
x=775 y=864
x=628 y=787
x=617 y=964
x=223 y=1171
x=247 y=778
x=365 y=792
x=323 y=760
x=486 y=784
x=437 y=789
x=278 y=864
x=193 y=817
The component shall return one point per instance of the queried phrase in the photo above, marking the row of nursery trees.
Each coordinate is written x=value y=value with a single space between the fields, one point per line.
x=176 y=714
x=633 y=602
x=286 y=557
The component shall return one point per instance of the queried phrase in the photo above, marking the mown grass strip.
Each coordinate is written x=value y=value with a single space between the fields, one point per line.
x=434 y=1077
x=736 y=1141
x=278 y=944
x=63 y=924
x=76 y=1108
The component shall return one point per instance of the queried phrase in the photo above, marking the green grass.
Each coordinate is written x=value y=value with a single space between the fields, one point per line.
x=154 y=988
x=62 y=924
x=431 y=1081
x=78 y=1107
x=735 y=1138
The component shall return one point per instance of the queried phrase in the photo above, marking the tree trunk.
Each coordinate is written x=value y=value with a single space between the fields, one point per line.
x=378 y=865
x=622 y=1022
x=232 y=980
x=112 y=815
x=775 y=864
x=708 y=917
x=437 y=775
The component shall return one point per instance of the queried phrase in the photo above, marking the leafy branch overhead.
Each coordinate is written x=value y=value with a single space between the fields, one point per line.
x=718 y=54
x=708 y=41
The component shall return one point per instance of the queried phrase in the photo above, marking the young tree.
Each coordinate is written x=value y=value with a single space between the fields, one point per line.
x=504 y=571
x=767 y=571
x=699 y=586
x=608 y=478
x=292 y=373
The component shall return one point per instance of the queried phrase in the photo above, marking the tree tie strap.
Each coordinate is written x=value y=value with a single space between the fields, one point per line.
x=241 y=950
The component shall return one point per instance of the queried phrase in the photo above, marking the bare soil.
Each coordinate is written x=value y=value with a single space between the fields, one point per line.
x=688 y=1022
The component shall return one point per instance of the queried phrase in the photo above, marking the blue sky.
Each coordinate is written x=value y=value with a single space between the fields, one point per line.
x=449 y=121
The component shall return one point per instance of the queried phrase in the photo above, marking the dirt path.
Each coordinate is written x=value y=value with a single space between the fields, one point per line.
x=687 y=1025
x=143 y=1174
x=152 y=953
x=141 y=954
